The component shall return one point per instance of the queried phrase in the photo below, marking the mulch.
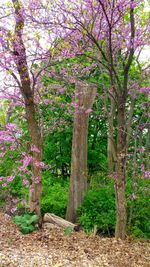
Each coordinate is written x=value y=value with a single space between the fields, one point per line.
x=51 y=247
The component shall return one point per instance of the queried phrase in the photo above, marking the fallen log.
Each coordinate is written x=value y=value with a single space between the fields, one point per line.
x=56 y=220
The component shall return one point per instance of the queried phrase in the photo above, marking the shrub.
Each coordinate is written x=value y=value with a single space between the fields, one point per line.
x=55 y=195
x=99 y=209
x=27 y=222
x=139 y=209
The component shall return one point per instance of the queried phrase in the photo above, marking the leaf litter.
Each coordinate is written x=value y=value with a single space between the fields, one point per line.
x=52 y=248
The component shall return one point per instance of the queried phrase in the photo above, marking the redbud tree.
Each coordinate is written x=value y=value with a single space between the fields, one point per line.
x=21 y=52
x=112 y=33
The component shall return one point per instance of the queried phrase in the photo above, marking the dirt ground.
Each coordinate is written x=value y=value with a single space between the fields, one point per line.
x=54 y=248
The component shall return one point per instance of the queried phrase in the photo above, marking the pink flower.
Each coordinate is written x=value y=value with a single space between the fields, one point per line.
x=40 y=164
x=88 y=111
x=46 y=101
x=10 y=178
x=13 y=210
x=62 y=90
x=4 y=185
x=25 y=182
x=35 y=149
x=2 y=155
x=147 y=174
x=36 y=180
x=145 y=90
x=31 y=189
x=12 y=147
x=26 y=160
x=74 y=105
x=142 y=167
x=22 y=169
x=11 y=126
x=15 y=200
x=7 y=138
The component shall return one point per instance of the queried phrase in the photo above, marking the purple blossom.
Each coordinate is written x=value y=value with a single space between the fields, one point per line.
x=13 y=210
x=147 y=174
x=46 y=101
x=145 y=90
x=4 y=185
x=15 y=200
x=12 y=147
x=22 y=169
x=40 y=164
x=74 y=104
x=10 y=178
x=35 y=149
x=88 y=111
x=27 y=159
x=36 y=180
x=62 y=90
x=2 y=155
x=31 y=189
x=142 y=167
x=25 y=181
x=11 y=127
x=7 y=138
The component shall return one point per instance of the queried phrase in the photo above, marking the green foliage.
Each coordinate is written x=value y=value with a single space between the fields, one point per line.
x=55 y=194
x=27 y=223
x=140 y=208
x=68 y=230
x=57 y=151
x=99 y=209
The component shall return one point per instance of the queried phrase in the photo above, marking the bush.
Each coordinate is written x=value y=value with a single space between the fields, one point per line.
x=99 y=209
x=27 y=222
x=55 y=195
x=139 y=209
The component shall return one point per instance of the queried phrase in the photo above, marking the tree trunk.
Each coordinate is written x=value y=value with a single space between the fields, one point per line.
x=129 y=122
x=36 y=140
x=78 y=183
x=20 y=59
x=120 y=181
x=147 y=148
x=111 y=151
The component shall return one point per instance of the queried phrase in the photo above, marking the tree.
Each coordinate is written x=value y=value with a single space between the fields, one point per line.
x=27 y=93
x=85 y=95
x=108 y=29
x=20 y=63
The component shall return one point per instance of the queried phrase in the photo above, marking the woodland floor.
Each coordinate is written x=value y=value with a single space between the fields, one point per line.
x=54 y=248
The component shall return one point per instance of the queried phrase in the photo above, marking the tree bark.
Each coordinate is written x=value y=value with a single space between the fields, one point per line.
x=120 y=179
x=36 y=189
x=147 y=148
x=111 y=151
x=78 y=181
x=129 y=121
